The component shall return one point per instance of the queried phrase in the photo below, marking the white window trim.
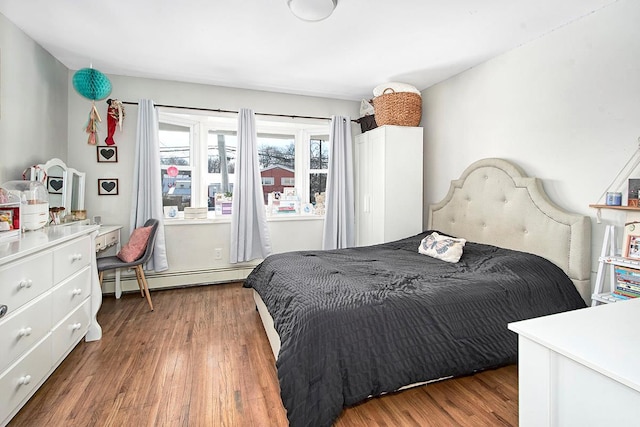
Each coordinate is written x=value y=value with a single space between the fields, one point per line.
x=201 y=123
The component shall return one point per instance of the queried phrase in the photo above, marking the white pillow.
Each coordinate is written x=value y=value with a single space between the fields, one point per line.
x=396 y=86
x=446 y=248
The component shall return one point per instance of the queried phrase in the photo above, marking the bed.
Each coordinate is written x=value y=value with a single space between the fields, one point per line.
x=348 y=324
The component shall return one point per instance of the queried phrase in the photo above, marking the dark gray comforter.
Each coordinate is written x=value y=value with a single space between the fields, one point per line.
x=359 y=322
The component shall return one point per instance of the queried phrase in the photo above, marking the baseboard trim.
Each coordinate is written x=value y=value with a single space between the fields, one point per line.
x=177 y=279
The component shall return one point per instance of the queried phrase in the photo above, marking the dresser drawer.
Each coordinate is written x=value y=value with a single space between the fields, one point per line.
x=21 y=330
x=100 y=243
x=71 y=257
x=111 y=238
x=69 y=332
x=20 y=380
x=70 y=293
x=24 y=280
x=107 y=240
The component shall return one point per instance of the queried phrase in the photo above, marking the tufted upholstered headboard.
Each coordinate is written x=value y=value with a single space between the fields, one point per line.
x=495 y=203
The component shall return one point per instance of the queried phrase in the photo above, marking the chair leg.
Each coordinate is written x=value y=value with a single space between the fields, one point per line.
x=139 y=281
x=100 y=274
x=140 y=274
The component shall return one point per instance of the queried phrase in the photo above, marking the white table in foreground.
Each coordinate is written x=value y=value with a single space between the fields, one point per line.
x=109 y=237
x=579 y=368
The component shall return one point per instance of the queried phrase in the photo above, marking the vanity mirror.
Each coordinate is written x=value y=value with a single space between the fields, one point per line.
x=65 y=185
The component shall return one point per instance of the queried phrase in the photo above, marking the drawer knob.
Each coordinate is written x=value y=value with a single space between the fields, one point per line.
x=76 y=292
x=3 y=310
x=25 y=284
x=24 y=380
x=76 y=326
x=24 y=332
x=76 y=257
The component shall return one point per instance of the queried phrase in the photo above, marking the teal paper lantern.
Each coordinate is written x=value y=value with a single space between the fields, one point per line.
x=91 y=84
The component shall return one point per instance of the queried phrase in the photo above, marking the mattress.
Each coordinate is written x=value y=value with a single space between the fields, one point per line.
x=362 y=322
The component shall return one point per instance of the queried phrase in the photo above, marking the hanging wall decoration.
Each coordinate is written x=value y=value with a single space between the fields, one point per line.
x=108 y=187
x=93 y=85
x=107 y=154
x=115 y=115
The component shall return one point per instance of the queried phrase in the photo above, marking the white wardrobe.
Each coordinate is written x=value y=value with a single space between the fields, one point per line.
x=388 y=184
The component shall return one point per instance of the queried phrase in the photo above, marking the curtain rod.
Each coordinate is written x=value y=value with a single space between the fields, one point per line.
x=218 y=110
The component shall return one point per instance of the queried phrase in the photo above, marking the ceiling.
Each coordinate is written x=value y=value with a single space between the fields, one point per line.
x=259 y=44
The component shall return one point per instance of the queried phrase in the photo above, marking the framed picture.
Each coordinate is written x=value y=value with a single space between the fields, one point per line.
x=107 y=154
x=55 y=184
x=107 y=187
x=632 y=249
x=289 y=191
x=634 y=188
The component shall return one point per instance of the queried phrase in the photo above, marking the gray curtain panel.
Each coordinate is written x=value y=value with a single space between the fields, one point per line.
x=249 y=233
x=147 y=182
x=339 y=222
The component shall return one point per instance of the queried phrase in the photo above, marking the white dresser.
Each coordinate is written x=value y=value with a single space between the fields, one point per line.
x=49 y=298
x=578 y=368
x=388 y=184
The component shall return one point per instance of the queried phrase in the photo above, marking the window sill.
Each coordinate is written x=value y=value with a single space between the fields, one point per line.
x=227 y=219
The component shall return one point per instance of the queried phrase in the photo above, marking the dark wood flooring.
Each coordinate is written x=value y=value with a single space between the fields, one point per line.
x=202 y=359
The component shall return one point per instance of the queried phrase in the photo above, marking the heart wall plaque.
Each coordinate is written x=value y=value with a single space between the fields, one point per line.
x=107 y=154
x=54 y=184
x=108 y=187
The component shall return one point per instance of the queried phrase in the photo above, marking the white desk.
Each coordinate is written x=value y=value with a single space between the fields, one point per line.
x=109 y=237
x=579 y=368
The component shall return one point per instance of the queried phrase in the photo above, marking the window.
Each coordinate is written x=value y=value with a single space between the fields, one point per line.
x=198 y=157
x=318 y=165
x=175 y=160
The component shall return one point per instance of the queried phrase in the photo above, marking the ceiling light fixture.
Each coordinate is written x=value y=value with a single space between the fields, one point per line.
x=312 y=10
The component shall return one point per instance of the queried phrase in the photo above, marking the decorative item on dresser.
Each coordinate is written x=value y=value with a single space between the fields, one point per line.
x=66 y=193
x=48 y=301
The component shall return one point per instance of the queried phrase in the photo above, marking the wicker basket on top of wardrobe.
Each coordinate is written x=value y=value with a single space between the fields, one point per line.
x=398 y=108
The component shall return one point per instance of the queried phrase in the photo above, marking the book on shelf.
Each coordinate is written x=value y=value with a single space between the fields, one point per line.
x=624 y=295
x=627 y=275
x=627 y=289
x=619 y=296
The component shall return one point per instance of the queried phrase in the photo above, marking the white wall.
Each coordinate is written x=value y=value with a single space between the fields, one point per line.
x=33 y=103
x=190 y=247
x=565 y=107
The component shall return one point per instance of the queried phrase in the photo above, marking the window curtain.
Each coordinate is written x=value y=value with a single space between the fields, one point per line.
x=339 y=222
x=147 y=182
x=249 y=233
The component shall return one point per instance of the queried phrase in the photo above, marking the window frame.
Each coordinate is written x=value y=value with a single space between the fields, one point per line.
x=201 y=123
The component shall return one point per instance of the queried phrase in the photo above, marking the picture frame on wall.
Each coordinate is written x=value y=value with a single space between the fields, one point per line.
x=632 y=249
x=107 y=187
x=107 y=154
x=55 y=184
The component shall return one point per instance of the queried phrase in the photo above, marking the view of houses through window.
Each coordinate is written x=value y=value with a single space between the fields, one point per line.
x=198 y=159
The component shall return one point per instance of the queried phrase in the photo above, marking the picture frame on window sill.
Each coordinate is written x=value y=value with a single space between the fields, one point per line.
x=632 y=249
x=108 y=187
x=107 y=154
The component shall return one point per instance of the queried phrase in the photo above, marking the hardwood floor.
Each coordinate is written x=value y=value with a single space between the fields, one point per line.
x=202 y=359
